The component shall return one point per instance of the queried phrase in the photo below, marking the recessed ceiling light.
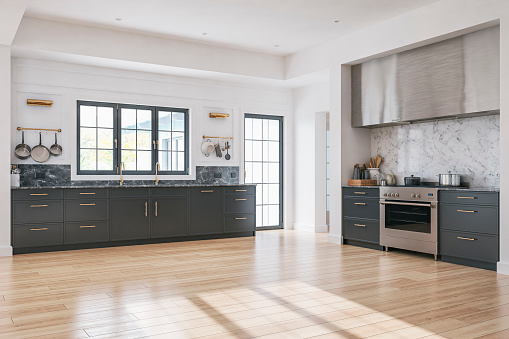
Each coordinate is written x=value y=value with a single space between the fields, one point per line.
x=205 y=33
x=118 y=19
x=277 y=45
x=337 y=21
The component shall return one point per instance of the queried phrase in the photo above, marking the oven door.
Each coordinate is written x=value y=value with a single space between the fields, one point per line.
x=409 y=220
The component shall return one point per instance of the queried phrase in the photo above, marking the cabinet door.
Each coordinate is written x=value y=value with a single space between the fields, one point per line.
x=129 y=219
x=206 y=211
x=169 y=217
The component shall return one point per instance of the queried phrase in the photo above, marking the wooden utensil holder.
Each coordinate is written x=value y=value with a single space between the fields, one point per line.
x=365 y=182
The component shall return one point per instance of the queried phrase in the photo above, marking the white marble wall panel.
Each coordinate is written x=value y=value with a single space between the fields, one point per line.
x=467 y=146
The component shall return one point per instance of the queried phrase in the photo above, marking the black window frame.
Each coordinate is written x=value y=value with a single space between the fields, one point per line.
x=117 y=147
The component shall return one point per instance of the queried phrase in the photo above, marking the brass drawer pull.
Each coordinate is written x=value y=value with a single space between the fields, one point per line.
x=38 y=205
x=469 y=239
x=360 y=203
x=240 y=199
x=240 y=190
x=360 y=192
x=39 y=229
x=464 y=211
x=466 y=197
x=146 y=209
x=359 y=225
x=92 y=204
x=38 y=193
x=241 y=218
x=210 y=191
x=87 y=193
x=91 y=226
x=156 y=208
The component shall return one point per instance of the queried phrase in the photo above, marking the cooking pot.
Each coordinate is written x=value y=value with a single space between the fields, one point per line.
x=449 y=179
x=412 y=181
x=207 y=147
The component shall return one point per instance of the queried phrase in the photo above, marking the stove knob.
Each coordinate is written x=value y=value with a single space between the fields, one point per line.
x=392 y=194
x=412 y=196
x=418 y=196
x=397 y=195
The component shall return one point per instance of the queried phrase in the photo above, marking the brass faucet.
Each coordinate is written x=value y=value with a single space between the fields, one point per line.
x=158 y=167
x=122 y=166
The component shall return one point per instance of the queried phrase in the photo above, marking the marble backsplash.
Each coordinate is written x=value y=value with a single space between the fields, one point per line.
x=467 y=146
x=60 y=175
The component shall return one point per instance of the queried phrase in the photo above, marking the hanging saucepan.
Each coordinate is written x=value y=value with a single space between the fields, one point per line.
x=22 y=151
x=55 y=149
x=40 y=153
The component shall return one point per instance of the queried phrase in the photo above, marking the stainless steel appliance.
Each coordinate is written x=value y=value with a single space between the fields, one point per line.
x=449 y=179
x=409 y=218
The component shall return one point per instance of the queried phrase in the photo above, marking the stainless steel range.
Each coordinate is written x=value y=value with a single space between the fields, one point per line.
x=409 y=218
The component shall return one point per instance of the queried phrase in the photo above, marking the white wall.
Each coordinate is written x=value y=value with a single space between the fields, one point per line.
x=308 y=101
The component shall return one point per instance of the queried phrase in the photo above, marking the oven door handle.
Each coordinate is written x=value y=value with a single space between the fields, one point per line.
x=432 y=205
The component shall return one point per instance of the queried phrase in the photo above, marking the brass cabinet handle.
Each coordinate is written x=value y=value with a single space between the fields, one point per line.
x=156 y=209
x=146 y=209
x=38 y=205
x=154 y=143
x=466 y=197
x=39 y=229
x=241 y=218
x=210 y=191
x=359 y=225
x=463 y=238
x=360 y=203
x=38 y=193
x=464 y=211
x=240 y=199
x=240 y=190
x=86 y=193
x=90 y=226
x=360 y=192
x=116 y=143
x=92 y=204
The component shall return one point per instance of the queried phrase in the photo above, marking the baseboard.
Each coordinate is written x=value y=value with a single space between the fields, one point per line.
x=335 y=239
x=503 y=268
x=304 y=227
x=322 y=229
x=5 y=251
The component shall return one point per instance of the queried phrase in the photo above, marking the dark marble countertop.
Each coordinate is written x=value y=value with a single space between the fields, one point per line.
x=129 y=186
x=466 y=189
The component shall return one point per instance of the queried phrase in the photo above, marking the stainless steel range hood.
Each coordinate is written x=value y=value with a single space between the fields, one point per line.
x=458 y=77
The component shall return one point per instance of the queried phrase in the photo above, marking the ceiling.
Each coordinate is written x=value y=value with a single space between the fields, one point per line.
x=254 y=25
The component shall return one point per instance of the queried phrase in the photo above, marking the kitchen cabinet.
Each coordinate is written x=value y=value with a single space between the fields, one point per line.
x=206 y=210
x=361 y=217
x=129 y=219
x=239 y=209
x=170 y=216
x=469 y=228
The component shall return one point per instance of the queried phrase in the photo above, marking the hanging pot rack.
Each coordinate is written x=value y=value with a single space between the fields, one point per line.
x=209 y=137
x=38 y=129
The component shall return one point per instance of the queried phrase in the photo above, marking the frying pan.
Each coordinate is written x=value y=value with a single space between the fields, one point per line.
x=40 y=153
x=55 y=149
x=22 y=151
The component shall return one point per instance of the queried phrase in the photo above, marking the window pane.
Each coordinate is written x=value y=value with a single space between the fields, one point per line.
x=144 y=140
x=129 y=160
x=259 y=214
x=128 y=140
x=265 y=193
x=178 y=121
x=265 y=129
x=144 y=160
x=248 y=153
x=248 y=134
x=274 y=215
x=87 y=160
x=257 y=172
x=257 y=151
x=105 y=137
x=265 y=215
x=104 y=160
x=165 y=161
x=273 y=172
x=164 y=121
x=265 y=167
x=249 y=172
x=265 y=151
x=178 y=142
x=177 y=161
x=273 y=151
x=88 y=116
x=128 y=117
x=87 y=137
x=257 y=129
x=165 y=141
x=105 y=117
x=144 y=119
x=259 y=195
x=273 y=194
x=274 y=130
x=180 y=161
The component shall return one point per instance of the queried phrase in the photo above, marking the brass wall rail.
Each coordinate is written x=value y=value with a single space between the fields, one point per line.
x=38 y=129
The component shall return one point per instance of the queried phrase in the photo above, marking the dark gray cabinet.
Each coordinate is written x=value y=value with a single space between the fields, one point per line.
x=86 y=232
x=239 y=209
x=206 y=210
x=361 y=217
x=129 y=219
x=170 y=216
x=469 y=228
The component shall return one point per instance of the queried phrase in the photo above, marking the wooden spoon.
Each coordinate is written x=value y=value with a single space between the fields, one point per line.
x=378 y=161
x=371 y=163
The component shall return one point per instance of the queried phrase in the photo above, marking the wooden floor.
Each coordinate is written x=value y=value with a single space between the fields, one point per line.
x=281 y=284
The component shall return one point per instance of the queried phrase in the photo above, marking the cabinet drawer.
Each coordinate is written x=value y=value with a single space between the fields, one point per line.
x=37 y=211
x=240 y=190
x=240 y=204
x=37 y=235
x=239 y=223
x=169 y=192
x=469 y=197
x=85 y=193
x=121 y=192
x=361 y=192
x=358 y=229
x=469 y=245
x=361 y=208
x=86 y=232
x=468 y=218
x=37 y=194
x=76 y=210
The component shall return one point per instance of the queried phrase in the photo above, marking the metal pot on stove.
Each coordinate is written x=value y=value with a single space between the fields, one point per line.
x=449 y=179
x=412 y=181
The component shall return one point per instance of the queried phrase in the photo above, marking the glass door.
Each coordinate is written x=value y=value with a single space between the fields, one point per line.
x=263 y=163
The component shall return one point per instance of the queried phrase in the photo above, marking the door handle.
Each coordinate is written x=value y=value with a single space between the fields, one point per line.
x=360 y=192
x=466 y=197
x=84 y=193
x=92 y=204
x=359 y=225
x=39 y=229
x=38 y=205
x=209 y=191
x=240 y=190
x=156 y=208
x=240 y=199
x=463 y=238
x=90 y=226
x=241 y=218
x=146 y=209
x=38 y=193
x=464 y=211
x=360 y=203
